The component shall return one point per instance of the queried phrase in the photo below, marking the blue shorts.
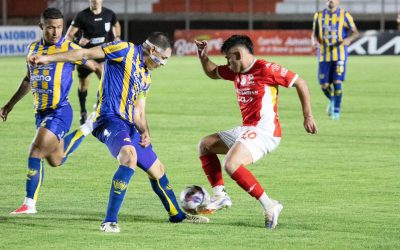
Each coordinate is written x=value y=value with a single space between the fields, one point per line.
x=329 y=72
x=116 y=133
x=57 y=120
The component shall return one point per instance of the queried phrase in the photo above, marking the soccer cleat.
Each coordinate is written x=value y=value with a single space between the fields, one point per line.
x=217 y=202
x=87 y=127
x=335 y=116
x=330 y=108
x=110 y=227
x=83 y=118
x=24 y=209
x=271 y=215
x=197 y=219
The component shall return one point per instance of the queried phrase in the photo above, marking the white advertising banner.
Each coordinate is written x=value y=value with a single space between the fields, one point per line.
x=14 y=40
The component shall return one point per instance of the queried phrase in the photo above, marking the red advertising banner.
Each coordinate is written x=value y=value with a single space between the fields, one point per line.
x=266 y=42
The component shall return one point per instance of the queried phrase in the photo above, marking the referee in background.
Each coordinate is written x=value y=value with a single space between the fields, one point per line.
x=92 y=26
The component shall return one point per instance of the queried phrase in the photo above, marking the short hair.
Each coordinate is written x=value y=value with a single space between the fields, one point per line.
x=51 y=13
x=160 y=39
x=237 y=40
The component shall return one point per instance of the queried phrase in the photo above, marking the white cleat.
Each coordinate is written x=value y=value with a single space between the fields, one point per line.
x=196 y=219
x=271 y=215
x=87 y=127
x=24 y=209
x=217 y=202
x=110 y=227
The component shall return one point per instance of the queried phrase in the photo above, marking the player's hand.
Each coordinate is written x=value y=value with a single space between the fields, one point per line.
x=144 y=139
x=38 y=60
x=4 y=111
x=201 y=48
x=310 y=125
x=83 y=41
x=346 y=42
x=315 y=46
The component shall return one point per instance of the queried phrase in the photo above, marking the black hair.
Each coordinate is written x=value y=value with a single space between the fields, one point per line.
x=51 y=13
x=160 y=39
x=237 y=40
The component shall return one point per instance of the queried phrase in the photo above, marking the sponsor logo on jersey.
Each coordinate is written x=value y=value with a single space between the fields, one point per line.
x=245 y=100
x=284 y=72
x=246 y=80
x=42 y=91
x=40 y=78
x=246 y=92
x=127 y=139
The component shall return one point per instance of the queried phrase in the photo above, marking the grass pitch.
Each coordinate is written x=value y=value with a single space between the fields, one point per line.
x=340 y=188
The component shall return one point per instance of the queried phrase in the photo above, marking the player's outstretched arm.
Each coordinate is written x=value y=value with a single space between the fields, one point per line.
x=69 y=56
x=304 y=95
x=209 y=67
x=23 y=89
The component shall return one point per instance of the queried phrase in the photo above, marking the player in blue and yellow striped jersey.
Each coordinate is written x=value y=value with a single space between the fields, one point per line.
x=331 y=28
x=50 y=85
x=121 y=120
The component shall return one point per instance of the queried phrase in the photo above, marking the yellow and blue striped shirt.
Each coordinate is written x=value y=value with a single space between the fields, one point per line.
x=125 y=79
x=331 y=28
x=51 y=83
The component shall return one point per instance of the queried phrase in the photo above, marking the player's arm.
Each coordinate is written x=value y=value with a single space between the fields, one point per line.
x=209 y=67
x=314 y=38
x=141 y=121
x=117 y=31
x=69 y=56
x=23 y=89
x=94 y=67
x=304 y=95
x=354 y=34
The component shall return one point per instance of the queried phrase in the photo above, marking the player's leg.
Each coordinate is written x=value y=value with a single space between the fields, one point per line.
x=324 y=76
x=83 y=75
x=338 y=78
x=209 y=147
x=115 y=133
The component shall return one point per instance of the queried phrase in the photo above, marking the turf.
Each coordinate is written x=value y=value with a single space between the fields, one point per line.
x=340 y=188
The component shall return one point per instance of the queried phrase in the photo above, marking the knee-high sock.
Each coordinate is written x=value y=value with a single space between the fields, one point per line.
x=164 y=191
x=338 y=96
x=328 y=92
x=212 y=168
x=82 y=100
x=119 y=185
x=34 y=178
x=72 y=142
x=248 y=182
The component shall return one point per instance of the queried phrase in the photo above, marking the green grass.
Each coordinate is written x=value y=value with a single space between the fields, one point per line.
x=340 y=188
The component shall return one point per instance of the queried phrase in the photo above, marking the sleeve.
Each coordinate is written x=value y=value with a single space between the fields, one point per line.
x=280 y=75
x=113 y=18
x=76 y=21
x=74 y=46
x=349 y=22
x=225 y=73
x=315 y=23
x=116 y=50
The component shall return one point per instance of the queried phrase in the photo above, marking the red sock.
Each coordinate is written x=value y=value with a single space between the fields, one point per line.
x=248 y=182
x=212 y=169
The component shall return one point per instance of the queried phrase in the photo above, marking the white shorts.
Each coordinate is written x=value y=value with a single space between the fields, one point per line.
x=258 y=141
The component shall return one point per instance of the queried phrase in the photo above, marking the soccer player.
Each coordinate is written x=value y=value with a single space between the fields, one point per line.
x=121 y=119
x=331 y=37
x=50 y=85
x=96 y=25
x=256 y=82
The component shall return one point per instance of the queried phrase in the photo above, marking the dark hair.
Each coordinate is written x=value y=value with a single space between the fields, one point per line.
x=237 y=40
x=160 y=39
x=51 y=13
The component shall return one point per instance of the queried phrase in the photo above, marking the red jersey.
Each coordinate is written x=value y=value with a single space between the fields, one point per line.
x=257 y=92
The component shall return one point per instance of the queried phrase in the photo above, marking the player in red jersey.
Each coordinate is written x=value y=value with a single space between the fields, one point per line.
x=256 y=83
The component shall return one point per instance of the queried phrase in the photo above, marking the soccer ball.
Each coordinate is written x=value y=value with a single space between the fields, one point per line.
x=194 y=198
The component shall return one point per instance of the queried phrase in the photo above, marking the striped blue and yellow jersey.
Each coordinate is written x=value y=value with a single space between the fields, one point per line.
x=125 y=80
x=51 y=83
x=331 y=28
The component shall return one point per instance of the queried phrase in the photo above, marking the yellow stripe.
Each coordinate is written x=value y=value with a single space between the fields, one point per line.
x=57 y=79
x=76 y=137
x=35 y=196
x=31 y=48
x=125 y=86
x=326 y=32
x=35 y=83
x=173 y=211
x=100 y=97
x=113 y=48
x=340 y=31
x=334 y=39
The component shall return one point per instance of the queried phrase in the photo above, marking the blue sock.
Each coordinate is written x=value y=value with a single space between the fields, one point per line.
x=119 y=185
x=162 y=188
x=338 y=97
x=328 y=92
x=71 y=143
x=34 y=178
